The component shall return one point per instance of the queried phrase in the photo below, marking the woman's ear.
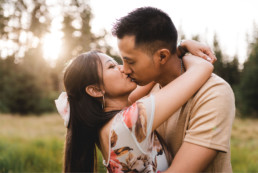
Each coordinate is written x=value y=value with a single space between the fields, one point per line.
x=94 y=91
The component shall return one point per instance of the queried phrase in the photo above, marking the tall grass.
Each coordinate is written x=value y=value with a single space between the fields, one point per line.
x=37 y=155
x=35 y=144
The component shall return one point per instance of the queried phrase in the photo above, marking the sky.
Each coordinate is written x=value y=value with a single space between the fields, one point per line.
x=232 y=20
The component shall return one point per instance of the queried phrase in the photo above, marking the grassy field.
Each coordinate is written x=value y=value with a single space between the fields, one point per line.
x=35 y=144
x=244 y=145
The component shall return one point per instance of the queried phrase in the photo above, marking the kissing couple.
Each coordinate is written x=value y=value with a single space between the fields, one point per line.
x=163 y=110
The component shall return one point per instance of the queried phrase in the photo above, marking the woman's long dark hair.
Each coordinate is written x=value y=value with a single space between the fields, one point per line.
x=86 y=114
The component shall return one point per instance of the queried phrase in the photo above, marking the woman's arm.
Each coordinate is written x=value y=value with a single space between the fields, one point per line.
x=196 y=48
x=171 y=97
x=140 y=92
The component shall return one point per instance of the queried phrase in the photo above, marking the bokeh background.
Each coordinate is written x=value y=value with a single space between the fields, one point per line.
x=38 y=37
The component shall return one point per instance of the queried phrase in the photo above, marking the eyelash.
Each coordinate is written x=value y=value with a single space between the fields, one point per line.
x=111 y=66
x=131 y=63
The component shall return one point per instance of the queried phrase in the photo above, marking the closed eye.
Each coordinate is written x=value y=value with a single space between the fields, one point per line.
x=131 y=63
x=128 y=60
x=112 y=66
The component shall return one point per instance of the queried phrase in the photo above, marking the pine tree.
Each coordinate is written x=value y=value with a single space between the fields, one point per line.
x=249 y=81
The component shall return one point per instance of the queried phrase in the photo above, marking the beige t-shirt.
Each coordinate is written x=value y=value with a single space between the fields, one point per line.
x=205 y=120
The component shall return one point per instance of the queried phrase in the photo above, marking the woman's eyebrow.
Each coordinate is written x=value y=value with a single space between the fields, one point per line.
x=108 y=61
x=112 y=61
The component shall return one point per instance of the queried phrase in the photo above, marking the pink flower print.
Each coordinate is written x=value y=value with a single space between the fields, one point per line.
x=114 y=164
x=130 y=115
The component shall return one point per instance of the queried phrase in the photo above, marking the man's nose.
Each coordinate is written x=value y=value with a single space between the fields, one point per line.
x=126 y=69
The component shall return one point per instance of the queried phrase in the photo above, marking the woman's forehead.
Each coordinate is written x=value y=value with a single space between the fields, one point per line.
x=104 y=58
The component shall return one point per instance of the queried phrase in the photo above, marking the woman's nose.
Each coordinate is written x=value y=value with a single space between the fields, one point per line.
x=121 y=68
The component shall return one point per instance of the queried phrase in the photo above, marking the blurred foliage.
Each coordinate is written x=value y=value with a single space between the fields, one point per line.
x=28 y=83
x=244 y=82
x=248 y=88
x=228 y=70
x=20 y=90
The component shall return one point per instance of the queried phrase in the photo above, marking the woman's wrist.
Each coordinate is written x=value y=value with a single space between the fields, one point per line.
x=181 y=49
x=194 y=61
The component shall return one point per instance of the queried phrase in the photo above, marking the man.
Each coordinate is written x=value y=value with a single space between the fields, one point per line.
x=198 y=134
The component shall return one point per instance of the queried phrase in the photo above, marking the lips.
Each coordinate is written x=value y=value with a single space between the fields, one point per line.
x=132 y=79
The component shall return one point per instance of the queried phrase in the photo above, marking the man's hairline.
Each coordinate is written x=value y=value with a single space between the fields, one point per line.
x=143 y=46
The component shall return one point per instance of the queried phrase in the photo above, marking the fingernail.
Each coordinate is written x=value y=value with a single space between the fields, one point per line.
x=208 y=58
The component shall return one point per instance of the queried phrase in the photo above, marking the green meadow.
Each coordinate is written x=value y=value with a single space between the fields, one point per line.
x=35 y=144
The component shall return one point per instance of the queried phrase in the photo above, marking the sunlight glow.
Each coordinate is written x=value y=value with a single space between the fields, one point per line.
x=51 y=46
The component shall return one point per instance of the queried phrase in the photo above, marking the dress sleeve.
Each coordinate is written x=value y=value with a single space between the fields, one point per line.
x=139 y=119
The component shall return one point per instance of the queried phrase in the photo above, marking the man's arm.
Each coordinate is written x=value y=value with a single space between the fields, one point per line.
x=191 y=158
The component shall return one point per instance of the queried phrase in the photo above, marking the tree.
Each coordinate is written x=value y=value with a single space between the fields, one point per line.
x=249 y=80
x=232 y=73
x=20 y=90
x=228 y=70
x=196 y=37
x=218 y=65
x=28 y=83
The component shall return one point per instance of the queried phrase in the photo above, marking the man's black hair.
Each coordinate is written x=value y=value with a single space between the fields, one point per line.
x=153 y=29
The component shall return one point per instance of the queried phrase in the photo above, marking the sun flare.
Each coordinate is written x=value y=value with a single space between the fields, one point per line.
x=51 y=46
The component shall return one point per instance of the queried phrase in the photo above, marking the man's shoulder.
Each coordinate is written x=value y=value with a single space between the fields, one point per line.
x=215 y=84
x=215 y=81
x=216 y=89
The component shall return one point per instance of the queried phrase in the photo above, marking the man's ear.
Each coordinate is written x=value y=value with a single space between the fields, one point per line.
x=94 y=91
x=163 y=55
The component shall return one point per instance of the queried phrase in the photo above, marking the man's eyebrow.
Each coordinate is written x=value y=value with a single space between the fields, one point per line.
x=126 y=58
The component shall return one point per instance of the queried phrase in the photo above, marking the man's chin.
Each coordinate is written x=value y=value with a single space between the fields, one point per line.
x=140 y=83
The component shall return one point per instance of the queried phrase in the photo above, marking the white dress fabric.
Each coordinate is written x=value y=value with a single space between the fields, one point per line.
x=133 y=145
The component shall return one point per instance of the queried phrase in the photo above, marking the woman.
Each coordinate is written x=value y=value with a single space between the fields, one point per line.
x=101 y=114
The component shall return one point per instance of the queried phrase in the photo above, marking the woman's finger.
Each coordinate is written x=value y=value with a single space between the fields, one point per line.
x=211 y=54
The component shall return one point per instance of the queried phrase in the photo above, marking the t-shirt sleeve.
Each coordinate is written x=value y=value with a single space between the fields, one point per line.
x=139 y=119
x=211 y=117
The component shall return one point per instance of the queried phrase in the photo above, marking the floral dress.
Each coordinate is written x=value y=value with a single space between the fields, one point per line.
x=133 y=145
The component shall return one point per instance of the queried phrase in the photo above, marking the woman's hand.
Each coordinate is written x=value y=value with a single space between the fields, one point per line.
x=191 y=61
x=196 y=48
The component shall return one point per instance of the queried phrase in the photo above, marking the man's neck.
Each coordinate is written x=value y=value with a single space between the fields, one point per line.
x=170 y=71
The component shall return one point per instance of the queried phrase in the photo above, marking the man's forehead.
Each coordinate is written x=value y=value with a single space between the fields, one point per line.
x=126 y=43
x=130 y=38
